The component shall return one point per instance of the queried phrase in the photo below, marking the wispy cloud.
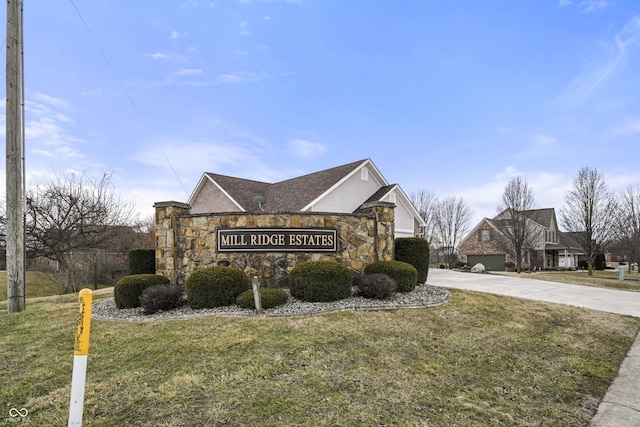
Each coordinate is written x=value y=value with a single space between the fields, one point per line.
x=599 y=71
x=159 y=56
x=506 y=129
x=176 y=35
x=305 y=149
x=244 y=28
x=544 y=140
x=187 y=72
x=46 y=127
x=564 y=3
x=631 y=127
x=589 y=6
x=241 y=77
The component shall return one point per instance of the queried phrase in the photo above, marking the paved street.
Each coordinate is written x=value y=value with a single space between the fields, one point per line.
x=621 y=302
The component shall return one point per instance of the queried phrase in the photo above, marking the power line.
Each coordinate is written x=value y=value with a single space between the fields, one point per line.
x=129 y=97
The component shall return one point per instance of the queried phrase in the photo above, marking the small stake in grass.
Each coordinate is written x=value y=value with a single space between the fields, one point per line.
x=256 y=294
x=80 y=352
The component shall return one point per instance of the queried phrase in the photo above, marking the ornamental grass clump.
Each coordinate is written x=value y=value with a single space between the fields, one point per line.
x=404 y=274
x=127 y=291
x=376 y=286
x=320 y=281
x=215 y=287
x=269 y=298
x=161 y=298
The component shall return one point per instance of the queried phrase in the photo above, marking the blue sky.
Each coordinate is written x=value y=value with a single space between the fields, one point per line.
x=449 y=97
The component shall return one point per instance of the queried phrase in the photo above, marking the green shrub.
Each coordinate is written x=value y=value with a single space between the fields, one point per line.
x=583 y=264
x=404 y=274
x=377 y=286
x=215 y=287
x=161 y=298
x=320 y=281
x=141 y=261
x=269 y=297
x=442 y=266
x=127 y=291
x=415 y=251
x=599 y=263
x=460 y=264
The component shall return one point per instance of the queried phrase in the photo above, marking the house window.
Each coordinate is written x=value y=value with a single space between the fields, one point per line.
x=551 y=236
x=485 y=235
x=364 y=174
x=392 y=198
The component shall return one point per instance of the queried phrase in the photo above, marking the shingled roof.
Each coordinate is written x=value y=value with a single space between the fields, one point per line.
x=290 y=195
x=541 y=216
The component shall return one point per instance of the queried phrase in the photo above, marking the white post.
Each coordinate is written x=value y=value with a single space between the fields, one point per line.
x=80 y=352
x=256 y=294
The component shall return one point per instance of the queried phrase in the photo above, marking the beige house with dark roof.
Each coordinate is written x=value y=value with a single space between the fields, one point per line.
x=549 y=247
x=342 y=189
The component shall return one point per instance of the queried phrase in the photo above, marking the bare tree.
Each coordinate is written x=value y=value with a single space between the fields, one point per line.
x=145 y=232
x=425 y=203
x=514 y=209
x=72 y=215
x=451 y=222
x=628 y=228
x=590 y=212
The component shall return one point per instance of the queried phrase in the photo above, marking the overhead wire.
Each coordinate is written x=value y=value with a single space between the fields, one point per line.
x=124 y=89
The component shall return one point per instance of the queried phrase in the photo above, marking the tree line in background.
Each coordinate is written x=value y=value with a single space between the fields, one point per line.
x=447 y=222
x=79 y=232
x=598 y=219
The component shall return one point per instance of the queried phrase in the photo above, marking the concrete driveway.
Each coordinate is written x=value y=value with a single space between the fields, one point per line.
x=620 y=407
x=612 y=301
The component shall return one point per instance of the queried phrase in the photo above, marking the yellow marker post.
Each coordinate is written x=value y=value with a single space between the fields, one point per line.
x=80 y=352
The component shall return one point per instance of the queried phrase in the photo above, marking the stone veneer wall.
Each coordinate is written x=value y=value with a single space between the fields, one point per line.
x=186 y=242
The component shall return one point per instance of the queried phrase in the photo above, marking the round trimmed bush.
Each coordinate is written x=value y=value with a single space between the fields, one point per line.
x=141 y=261
x=161 y=298
x=269 y=297
x=320 y=281
x=404 y=274
x=215 y=287
x=376 y=286
x=127 y=291
x=415 y=251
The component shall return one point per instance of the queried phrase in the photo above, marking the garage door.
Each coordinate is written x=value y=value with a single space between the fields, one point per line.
x=491 y=262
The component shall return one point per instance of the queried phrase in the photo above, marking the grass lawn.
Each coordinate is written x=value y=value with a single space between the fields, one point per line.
x=600 y=279
x=37 y=284
x=481 y=360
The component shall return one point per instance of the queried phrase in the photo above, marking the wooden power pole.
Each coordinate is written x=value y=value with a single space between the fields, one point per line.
x=16 y=289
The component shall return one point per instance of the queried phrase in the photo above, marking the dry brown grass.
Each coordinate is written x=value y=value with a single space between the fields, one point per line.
x=480 y=360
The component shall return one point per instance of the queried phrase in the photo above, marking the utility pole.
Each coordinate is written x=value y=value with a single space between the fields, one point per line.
x=16 y=289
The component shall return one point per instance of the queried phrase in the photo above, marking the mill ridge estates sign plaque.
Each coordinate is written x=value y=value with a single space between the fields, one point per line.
x=276 y=240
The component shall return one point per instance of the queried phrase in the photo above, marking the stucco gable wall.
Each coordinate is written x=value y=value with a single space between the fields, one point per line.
x=405 y=222
x=211 y=199
x=349 y=195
